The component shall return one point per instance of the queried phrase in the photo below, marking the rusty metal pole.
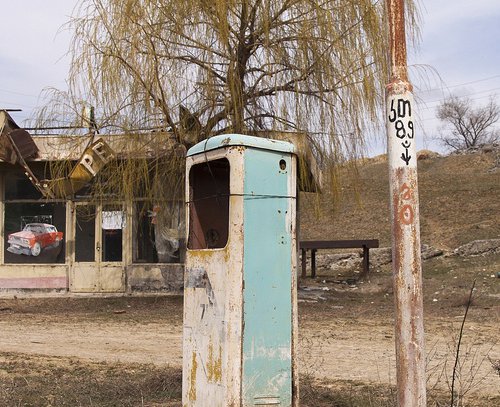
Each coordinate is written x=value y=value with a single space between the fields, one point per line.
x=407 y=268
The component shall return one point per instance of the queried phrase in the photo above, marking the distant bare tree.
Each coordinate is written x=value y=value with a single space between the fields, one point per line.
x=467 y=126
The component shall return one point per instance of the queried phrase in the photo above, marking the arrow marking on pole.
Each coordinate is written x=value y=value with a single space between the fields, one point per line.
x=406 y=157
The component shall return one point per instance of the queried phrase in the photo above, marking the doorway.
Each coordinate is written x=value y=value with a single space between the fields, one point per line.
x=97 y=264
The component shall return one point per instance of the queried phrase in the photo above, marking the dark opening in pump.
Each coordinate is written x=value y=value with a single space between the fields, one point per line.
x=209 y=205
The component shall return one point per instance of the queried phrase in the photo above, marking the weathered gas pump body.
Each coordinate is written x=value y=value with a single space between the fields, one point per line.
x=240 y=306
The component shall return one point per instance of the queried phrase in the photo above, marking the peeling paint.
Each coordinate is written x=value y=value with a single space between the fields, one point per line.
x=192 y=378
x=214 y=364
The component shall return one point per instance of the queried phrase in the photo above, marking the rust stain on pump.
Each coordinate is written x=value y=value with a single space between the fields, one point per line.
x=214 y=365
x=192 y=386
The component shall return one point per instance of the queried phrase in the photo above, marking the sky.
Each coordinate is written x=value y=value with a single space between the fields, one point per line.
x=459 y=53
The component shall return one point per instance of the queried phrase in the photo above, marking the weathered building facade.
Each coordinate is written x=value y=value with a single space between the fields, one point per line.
x=73 y=242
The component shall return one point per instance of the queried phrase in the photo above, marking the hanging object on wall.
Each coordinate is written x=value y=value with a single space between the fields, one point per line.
x=93 y=159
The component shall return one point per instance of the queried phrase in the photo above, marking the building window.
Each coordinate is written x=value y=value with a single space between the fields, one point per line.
x=113 y=223
x=34 y=232
x=159 y=232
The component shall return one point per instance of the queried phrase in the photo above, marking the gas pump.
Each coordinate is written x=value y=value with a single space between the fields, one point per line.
x=240 y=304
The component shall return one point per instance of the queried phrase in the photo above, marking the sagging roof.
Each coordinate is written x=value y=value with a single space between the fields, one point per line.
x=91 y=153
x=68 y=147
x=50 y=148
x=16 y=144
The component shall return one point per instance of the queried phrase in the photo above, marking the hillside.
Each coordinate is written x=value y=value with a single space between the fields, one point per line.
x=459 y=202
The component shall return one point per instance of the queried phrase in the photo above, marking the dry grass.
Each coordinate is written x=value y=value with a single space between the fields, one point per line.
x=51 y=381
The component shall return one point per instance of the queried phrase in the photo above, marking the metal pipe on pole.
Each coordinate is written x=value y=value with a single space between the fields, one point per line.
x=406 y=258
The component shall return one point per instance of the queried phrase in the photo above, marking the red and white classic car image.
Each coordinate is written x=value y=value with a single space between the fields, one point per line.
x=34 y=238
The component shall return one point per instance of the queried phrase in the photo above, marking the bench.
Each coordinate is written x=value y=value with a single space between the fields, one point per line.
x=315 y=245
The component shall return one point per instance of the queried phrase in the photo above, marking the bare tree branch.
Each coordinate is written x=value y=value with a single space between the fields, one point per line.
x=468 y=126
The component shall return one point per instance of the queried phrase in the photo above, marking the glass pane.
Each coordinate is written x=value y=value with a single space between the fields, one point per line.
x=18 y=186
x=34 y=232
x=85 y=234
x=113 y=223
x=144 y=239
x=159 y=232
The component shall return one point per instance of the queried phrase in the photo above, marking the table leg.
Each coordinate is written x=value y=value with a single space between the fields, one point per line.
x=313 y=263
x=304 y=263
x=366 y=261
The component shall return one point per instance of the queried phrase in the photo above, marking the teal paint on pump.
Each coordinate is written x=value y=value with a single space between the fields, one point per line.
x=267 y=346
x=240 y=305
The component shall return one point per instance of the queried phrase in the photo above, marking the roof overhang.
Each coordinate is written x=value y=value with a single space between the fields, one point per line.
x=125 y=146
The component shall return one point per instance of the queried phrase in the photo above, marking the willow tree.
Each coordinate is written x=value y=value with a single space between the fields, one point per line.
x=196 y=68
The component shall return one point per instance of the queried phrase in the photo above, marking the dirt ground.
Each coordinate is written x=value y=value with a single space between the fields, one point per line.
x=346 y=330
